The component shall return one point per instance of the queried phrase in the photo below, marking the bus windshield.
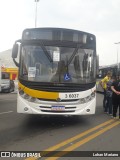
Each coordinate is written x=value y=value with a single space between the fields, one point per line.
x=57 y=64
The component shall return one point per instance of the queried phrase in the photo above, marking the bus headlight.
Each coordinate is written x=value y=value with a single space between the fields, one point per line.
x=88 y=98
x=32 y=99
x=93 y=94
x=82 y=100
x=29 y=98
x=21 y=92
x=26 y=96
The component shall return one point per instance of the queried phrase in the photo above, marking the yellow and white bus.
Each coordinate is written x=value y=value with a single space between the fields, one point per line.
x=57 y=72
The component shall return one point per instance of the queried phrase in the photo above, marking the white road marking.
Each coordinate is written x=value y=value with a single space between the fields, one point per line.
x=6 y=112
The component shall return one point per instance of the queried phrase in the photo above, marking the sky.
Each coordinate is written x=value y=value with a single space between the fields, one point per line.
x=99 y=17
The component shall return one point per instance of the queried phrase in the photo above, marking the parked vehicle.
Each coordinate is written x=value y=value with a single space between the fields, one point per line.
x=7 y=85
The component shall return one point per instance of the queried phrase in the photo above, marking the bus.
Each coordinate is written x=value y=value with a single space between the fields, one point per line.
x=113 y=68
x=57 y=71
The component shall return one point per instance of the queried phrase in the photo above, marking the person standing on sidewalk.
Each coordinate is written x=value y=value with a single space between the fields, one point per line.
x=103 y=84
x=116 y=97
x=109 y=93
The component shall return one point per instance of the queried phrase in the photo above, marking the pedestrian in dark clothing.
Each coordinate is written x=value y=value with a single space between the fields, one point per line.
x=116 y=97
x=109 y=92
x=103 y=84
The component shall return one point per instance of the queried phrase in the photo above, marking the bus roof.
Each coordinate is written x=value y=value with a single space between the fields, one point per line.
x=57 y=29
x=59 y=34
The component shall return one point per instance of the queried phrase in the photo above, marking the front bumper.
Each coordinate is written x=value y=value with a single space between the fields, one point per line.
x=45 y=107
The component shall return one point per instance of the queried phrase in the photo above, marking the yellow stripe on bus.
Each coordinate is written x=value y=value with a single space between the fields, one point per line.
x=39 y=94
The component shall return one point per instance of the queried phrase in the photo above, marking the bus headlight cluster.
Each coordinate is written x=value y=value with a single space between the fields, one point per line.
x=88 y=98
x=26 y=96
x=32 y=99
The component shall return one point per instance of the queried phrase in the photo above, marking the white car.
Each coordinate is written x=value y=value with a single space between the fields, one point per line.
x=7 y=85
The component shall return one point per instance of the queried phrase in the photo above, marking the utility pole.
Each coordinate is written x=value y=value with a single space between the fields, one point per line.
x=117 y=55
x=36 y=1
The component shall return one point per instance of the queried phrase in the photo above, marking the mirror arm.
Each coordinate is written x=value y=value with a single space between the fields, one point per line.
x=16 y=63
x=18 y=41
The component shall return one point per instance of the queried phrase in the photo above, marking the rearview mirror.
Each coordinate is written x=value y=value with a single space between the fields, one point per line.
x=15 y=51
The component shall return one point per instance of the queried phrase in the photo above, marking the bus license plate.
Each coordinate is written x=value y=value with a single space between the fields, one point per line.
x=58 y=108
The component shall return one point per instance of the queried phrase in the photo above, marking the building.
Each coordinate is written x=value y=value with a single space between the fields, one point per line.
x=9 y=73
x=8 y=68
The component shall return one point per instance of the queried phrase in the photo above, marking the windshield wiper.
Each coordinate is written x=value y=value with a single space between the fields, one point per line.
x=73 y=55
x=45 y=51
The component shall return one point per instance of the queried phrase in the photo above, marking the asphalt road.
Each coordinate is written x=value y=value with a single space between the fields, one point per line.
x=20 y=132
